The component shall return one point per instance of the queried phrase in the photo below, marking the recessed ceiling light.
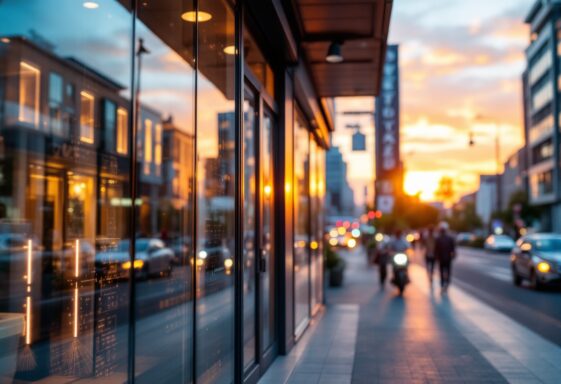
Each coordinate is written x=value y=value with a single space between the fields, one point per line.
x=230 y=50
x=90 y=4
x=200 y=16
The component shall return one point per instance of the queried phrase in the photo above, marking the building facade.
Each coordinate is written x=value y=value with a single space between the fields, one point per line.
x=514 y=177
x=162 y=182
x=542 y=107
x=486 y=198
x=339 y=196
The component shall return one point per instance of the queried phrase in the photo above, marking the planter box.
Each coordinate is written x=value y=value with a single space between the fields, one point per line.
x=11 y=327
x=336 y=275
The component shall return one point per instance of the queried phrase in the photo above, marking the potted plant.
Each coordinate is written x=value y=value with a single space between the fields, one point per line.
x=336 y=267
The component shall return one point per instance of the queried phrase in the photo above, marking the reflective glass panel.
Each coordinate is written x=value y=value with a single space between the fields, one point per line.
x=65 y=196
x=215 y=193
x=165 y=90
x=250 y=215
x=301 y=223
x=266 y=228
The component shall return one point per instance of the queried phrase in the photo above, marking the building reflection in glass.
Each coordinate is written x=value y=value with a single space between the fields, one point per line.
x=63 y=190
x=215 y=194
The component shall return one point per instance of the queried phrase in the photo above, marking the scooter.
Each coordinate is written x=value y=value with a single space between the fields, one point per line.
x=400 y=263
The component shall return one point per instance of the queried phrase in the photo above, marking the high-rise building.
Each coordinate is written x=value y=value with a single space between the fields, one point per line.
x=542 y=104
x=339 y=194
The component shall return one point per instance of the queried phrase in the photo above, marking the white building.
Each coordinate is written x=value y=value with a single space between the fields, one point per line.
x=486 y=197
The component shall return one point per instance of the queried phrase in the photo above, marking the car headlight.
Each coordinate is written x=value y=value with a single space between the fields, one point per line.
x=400 y=259
x=543 y=267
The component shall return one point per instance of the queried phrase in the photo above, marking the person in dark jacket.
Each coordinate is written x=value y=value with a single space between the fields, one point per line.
x=444 y=252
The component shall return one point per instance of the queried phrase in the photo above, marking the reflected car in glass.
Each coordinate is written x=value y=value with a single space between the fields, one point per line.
x=153 y=258
x=499 y=243
x=215 y=258
x=537 y=258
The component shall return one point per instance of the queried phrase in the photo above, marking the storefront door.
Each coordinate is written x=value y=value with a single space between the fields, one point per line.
x=259 y=268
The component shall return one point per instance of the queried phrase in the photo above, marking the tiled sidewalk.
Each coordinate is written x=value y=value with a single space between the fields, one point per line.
x=370 y=336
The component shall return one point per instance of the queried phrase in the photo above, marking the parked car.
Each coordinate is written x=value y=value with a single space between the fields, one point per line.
x=214 y=258
x=153 y=258
x=537 y=258
x=499 y=243
x=464 y=238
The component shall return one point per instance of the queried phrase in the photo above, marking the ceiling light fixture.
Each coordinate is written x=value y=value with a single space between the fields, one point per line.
x=334 y=53
x=90 y=4
x=193 y=16
x=230 y=50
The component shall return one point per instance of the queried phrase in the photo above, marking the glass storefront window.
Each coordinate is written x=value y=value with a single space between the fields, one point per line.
x=55 y=103
x=317 y=177
x=109 y=124
x=165 y=89
x=256 y=62
x=102 y=277
x=87 y=117
x=301 y=223
x=249 y=222
x=29 y=88
x=122 y=130
x=65 y=203
x=215 y=193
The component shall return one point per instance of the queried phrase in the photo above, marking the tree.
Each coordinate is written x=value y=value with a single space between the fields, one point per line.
x=518 y=209
x=408 y=213
x=445 y=190
x=464 y=218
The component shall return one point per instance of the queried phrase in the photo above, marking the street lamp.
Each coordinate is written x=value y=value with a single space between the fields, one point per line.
x=497 y=156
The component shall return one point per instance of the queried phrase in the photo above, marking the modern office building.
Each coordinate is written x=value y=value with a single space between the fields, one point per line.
x=339 y=197
x=542 y=87
x=162 y=178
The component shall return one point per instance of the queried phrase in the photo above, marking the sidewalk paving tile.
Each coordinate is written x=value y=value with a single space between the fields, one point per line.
x=368 y=335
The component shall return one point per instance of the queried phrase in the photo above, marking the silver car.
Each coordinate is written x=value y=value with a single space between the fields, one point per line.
x=537 y=258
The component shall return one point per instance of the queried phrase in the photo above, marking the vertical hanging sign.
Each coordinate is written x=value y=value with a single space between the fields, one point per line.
x=388 y=163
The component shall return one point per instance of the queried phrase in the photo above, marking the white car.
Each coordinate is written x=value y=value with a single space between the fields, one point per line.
x=499 y=243
x=153 y=258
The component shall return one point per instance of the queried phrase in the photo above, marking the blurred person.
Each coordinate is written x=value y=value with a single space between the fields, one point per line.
x=428 y=246
x=444 y=253
x=382 y=258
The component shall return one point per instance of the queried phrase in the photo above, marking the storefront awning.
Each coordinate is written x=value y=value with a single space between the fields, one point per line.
x=361 y=29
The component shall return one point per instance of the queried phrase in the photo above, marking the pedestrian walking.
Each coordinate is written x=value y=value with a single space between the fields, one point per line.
x=382 y=257
x=428 y=245
x=444 y=252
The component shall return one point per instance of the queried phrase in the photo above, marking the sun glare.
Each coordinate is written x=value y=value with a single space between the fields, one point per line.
x=424 y=184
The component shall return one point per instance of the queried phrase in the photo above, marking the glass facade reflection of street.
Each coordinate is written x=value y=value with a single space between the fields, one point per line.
x=119 y=189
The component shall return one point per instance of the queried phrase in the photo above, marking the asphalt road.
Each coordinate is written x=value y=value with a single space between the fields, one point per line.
x=487 y=276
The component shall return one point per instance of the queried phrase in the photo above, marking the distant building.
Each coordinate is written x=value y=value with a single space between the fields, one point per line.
x=541 y=111
x=465 y=200
x=339 y=195
x=486 y=197
x=513 y=178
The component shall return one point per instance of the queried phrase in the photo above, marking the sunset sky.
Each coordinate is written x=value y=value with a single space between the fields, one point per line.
x=460 y=66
